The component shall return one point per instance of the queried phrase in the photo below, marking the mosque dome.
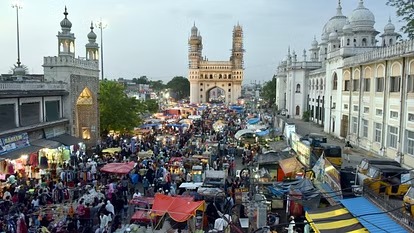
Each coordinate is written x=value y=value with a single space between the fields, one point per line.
x=325 y=36
x=19 y=71
x=362 y=17
x=314 y=43
x=333 y=36
x=337 y=22
x=389 y=27
x=65 y=23
x=347 y=28
x=91 y=34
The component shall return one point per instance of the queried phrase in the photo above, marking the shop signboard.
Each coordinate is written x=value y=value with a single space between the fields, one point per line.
x=295 y=138
x=303 y=152
x=333 y=178
x=241 y=195
x=14 y=142
x=54 y=131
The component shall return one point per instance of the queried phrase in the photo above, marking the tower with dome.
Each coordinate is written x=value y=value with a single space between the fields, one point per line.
x=215 y=80
x=360 y=86
x=81 y=74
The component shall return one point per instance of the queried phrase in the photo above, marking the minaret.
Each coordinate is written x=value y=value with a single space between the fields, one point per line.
x=314 y=50
x=195 y=48
x=66 y=39
x=389 y=37
x=92 y=48
x=237 y=51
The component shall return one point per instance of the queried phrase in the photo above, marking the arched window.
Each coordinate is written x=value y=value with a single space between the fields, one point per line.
x=202 y=76
x=321 y=84
x=348 y=41
x=390 y=42
x=220 y=76
x=326 y=50
x=298 y=88
x=335 y=82
x=297 y=113
x=211 y=76
x=317 y=85
x=364 y=42
x=355 y=43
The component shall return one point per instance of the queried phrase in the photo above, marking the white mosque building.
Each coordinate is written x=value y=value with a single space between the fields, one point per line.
x=356 y=82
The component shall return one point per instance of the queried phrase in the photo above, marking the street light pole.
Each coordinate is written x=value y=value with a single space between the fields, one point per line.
x=16 y=4
x=101 y=25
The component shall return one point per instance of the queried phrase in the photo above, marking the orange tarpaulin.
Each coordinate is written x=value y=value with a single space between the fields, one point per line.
x=179 y=208
x=290 y=165
x=118 y=168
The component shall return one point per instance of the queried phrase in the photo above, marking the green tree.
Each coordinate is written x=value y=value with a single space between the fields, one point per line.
x=157 y=85
x=151 y=105
x=179 y=87
x=269 y=92
x=117 y=111
x=405 y=10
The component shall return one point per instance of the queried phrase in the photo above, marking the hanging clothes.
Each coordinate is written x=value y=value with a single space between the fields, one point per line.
x=43 y=162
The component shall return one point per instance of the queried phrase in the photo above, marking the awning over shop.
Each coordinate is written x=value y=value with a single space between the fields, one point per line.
x=253 y=121
x=333 y=219
x=44 y=143
x=371 y=216
x=290 y=165
x=243 y=132
x=180 y=209
x=333 y=197
x=67 y=140
x=112 y=150
x=15 y=154
x=118 y=168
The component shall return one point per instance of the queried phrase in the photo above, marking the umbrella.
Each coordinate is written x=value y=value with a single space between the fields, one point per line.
x=118 y=168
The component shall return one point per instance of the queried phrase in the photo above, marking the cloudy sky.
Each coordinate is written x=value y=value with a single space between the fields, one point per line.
x=149 y=37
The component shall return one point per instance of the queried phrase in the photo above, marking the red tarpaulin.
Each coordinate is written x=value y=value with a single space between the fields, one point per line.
x=179 y=208
x=118 y=168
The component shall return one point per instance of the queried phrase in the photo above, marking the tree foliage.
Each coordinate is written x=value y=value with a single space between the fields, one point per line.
x=179 y=87
x=405 y=10
x=118 y=111
x=269 y=91
x=151 y=105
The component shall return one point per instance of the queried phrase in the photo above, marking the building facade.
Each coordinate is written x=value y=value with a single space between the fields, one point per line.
x=60 y=105
x=359 y=89
x=205 y=75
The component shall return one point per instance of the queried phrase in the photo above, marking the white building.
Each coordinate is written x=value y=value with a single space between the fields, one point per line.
x=358 y=89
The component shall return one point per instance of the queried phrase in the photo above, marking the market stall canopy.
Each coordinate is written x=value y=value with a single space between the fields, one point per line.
x=290 y=165
x=112 y=150
x=372 y=217
x=118 y=168
x=145 y=154
x=186 y=121
x=243 y=132
x=253 y=121
x=191 y=185
x=67 y=140
x=257 y=127
x=180 y=209
x=263 y=133
x=334 y=219
x=194 y=117
x=148 y=126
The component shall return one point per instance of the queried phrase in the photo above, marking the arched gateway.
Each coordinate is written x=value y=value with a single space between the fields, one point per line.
x=207 y=76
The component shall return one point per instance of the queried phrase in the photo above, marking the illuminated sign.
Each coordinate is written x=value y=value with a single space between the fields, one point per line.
x=14 y=142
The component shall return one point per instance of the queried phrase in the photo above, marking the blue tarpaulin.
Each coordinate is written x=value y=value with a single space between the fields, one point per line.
x=253 y=121
x=148 y=126
x=371 y=216
x=263 y=133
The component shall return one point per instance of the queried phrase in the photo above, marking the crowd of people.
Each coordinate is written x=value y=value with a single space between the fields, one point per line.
x=81 y=198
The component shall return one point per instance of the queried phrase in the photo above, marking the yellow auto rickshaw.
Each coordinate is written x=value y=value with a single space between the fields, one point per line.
x=366 y=162
x=386 y=179
x=408 y=201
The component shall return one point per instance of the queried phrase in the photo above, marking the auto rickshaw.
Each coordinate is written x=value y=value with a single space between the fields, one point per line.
x=408 y=201
x=366 y=162
x=386 y=179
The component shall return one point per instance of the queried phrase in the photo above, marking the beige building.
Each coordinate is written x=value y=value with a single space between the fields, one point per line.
x=205 y=75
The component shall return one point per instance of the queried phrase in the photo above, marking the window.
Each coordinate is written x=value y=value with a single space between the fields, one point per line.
x=411 y=117
x=379 y=84
x=409 y=143
x=298 y=88
x=367 y=83
x=355 y=108
x=355 y=85
x=52 y=110
x=378 y=112
x=394 y=84
x=393 y=114
x=410 y=83
x=335 y=83
x=354 y=124
x=392 y=136
x=364 y=128
x=345 y=106
x=377 y=132
x=347 y=85
x=366 y=110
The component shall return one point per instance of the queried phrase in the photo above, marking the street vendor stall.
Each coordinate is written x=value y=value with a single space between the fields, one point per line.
x=118 y=168
x=112 y=150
